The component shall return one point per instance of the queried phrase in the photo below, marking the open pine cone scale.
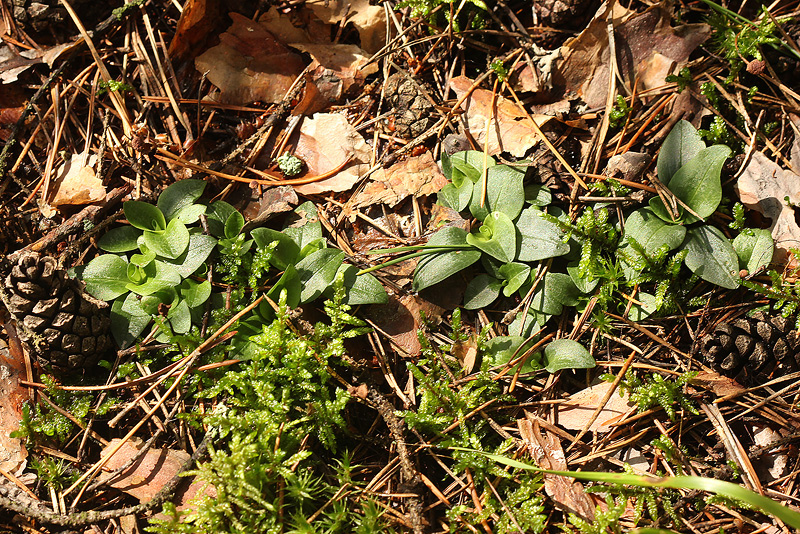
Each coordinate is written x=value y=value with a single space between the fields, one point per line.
x=753 y=349
x=62 y=325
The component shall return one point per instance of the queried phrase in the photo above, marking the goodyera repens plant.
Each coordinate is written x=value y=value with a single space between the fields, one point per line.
x=156 y=267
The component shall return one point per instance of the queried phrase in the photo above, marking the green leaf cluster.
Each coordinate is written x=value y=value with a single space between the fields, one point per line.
x=157 y=267
x=692 y=171
x=148 y=271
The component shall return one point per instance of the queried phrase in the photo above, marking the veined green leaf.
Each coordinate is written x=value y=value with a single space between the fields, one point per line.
x=697 y=184
x=122 y=239
x=539 y=238
x=497 y=237
x=566 y=354
x=504 y=193
x=711 y=256
x=481 y=291
x=179 y=195
x=317 y=271
x=438 y=266
x=681 y=145
x=106 y=277
x=171 y=243
x=754 y=248
x=144 y=216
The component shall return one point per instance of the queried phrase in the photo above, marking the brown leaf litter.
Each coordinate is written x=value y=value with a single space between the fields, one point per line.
x=509 y=128
x=646 y=46
x=417 y=176
x=249 y=64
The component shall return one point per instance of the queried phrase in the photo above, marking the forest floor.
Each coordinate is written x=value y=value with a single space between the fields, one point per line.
x=354 y=267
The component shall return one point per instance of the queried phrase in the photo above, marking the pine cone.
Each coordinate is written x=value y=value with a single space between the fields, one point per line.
x=62 y=325
x=413 y=113
x=752 y=349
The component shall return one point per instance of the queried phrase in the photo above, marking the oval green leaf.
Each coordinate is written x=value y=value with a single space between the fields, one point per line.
x=171 y=243
x=681 y=145
x=651 y=233
x=200 y=247
x=179 y=195
x=504 y=193
x=481 y=291
x=122 y=239
x=128 y=321
x=144 y=216
x=496 y=237
x=515 y=274
x=317 y=270
x=711 y=257
x=195 y=294
x=539 y=238
x=106 y=277
x=754 y=248
x=567 y=354
x=286 y=252
x=697 y=184
x=437 y=266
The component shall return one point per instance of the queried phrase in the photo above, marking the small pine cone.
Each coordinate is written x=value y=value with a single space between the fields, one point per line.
x=65 y=327
x=752 y=349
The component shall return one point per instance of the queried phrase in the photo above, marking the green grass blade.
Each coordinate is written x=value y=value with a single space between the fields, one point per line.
x=726 y=489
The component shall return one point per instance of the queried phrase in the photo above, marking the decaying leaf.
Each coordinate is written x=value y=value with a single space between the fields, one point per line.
x=274 y=200
x=76 y=184
x=721 y=386
x=416 y=176
x=13 y=455
x=369 y=20
x=337 y=68
x=400 y=319
x=772 y=466
x=13 y=102
x=151 y=472
x=298 y=26
x=567 y=493
x=764 y=186
x=326 y=140
x=249 y=64
x=574 y=413
x=198 y=19
x=510 y=129
x=647 y=50
x=466 y=350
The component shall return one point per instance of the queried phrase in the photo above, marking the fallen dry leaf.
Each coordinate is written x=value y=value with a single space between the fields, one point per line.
x=567 y=493
x=770 y=466
x=151 y=472
x=76 y=184
x=249 y=64
x=325 y=141
x=369 y=20
x=13 y=100
x=297 y=26
x=574 y=413
x=764 y=186
x=198 y=19
x=509 y=129
x=418 y=176
x=337 y=68
x=466 y=350
x=13 y=455
x=401 y=318
x=274 y=200
x=647 y=48
x=721 y=386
